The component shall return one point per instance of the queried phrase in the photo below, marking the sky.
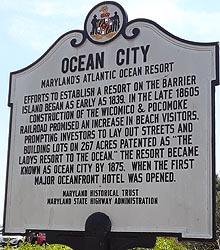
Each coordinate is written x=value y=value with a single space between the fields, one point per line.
x=29 y=27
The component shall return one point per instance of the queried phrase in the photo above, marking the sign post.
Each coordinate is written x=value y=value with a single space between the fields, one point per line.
x=117 y=121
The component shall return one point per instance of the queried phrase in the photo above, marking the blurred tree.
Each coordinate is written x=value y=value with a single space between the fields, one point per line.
x=217 y=183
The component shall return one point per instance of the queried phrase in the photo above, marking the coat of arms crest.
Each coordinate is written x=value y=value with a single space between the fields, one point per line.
x=104 y=22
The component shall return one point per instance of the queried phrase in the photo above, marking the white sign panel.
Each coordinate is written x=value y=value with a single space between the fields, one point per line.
x=117 y=119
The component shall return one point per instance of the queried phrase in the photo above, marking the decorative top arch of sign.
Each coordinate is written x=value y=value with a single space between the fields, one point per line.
x=105 y=22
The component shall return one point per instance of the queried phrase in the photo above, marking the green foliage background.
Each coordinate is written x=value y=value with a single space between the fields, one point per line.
x=29 y=246
x=167 y=243
x=162 y=243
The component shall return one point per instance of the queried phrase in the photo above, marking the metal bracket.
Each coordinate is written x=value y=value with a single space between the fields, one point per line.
x=98 y=236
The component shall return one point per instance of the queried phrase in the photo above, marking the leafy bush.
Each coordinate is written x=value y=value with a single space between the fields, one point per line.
x=165 y=243
x=29 y=246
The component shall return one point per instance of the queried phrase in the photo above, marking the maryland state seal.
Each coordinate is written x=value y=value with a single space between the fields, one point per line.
x=105 y=22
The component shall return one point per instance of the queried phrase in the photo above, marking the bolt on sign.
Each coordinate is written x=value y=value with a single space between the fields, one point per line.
x=117 y=118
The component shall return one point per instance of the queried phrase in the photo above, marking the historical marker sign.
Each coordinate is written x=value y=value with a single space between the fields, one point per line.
x=119 y=119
